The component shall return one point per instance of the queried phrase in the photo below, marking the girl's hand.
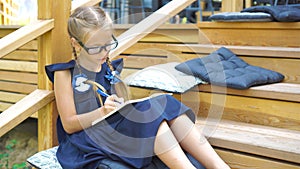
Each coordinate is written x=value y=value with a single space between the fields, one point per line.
x=112 y=102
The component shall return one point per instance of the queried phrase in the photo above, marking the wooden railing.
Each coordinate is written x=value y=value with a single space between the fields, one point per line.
x=24 y=35
x=23 y=109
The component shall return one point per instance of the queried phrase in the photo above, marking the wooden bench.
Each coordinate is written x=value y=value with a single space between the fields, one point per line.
x=18 y=72
x=257 y=127
x=283 y=34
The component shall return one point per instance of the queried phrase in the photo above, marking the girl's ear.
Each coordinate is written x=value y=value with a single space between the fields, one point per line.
x=75 y=44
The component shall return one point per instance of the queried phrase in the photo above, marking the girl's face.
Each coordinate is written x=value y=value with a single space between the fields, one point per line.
x=97 y=46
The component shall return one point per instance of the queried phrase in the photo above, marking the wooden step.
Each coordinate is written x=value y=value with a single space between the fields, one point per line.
x=269 y=142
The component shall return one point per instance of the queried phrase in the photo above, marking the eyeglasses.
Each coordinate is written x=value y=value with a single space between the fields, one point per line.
x=98 y=49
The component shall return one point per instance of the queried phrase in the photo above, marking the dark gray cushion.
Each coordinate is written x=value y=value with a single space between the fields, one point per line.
x=281 y=13
x=224 y=68
x=241 y=17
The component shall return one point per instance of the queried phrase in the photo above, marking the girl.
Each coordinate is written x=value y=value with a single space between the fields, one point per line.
x=154 y=133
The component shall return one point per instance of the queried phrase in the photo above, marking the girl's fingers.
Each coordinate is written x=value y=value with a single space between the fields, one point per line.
x=112 y=102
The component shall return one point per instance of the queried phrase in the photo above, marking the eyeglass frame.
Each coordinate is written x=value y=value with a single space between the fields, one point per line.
x=101 y=47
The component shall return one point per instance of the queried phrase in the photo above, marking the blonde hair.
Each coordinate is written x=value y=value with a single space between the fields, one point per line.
x=87 y=19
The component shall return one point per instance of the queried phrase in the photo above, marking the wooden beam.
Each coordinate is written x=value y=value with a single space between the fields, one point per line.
x=23 y=35
x=149 y=24
x=20 y=111
x=53 y=47
x=78 y=3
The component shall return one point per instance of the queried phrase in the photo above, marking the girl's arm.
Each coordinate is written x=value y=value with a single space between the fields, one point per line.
x=66 y=105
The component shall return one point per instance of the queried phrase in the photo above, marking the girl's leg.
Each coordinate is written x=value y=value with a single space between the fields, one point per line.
x=168 y=150
x=196 y=144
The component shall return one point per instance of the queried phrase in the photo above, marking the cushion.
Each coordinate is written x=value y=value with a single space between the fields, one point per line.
x=45 y=159
x=281 y=13
x=222 y=67
x=164 y=77
x=241 y=17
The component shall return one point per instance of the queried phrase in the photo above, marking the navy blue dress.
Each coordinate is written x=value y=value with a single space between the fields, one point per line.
x=127 y=136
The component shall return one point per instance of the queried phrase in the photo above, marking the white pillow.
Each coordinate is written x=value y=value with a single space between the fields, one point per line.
x=45 y=159
x=164 y=77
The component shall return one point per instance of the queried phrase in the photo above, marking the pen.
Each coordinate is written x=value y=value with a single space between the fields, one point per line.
x=102 y=93
x=105 y=95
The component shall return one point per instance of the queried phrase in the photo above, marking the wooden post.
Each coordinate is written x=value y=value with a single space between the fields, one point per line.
x=232 y=5
x=248 y=3
x=53 y=47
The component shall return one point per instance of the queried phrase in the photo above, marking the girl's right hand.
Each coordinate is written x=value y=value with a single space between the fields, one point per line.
x=111 y=103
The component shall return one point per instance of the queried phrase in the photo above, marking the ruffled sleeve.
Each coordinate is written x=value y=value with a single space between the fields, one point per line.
x=50 y=69
x=118 y=64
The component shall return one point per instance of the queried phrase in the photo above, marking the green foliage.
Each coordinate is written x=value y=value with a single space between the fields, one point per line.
x=5 y=154
x=21 y=165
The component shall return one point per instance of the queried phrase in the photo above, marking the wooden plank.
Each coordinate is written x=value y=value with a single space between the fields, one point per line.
x=147 y=25
x=22 y=55
x=20 y=111
x=170 y=36
x=142 y=61
x=166 y=33
x=18 y=65
x=254 y=33
x=32 y=45
x=268 y=112
x=238 y=160
x=18 y=77
x=10 y=97
x=262 y=51
x=4 y=106
x=23 y=35
x=276 y=91
x=7 y=29
x=265 y=51
x=271 y=142
x=17 y=87
x=251 y=25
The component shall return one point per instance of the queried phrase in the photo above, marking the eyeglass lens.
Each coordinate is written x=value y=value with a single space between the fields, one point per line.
x=99 y=49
